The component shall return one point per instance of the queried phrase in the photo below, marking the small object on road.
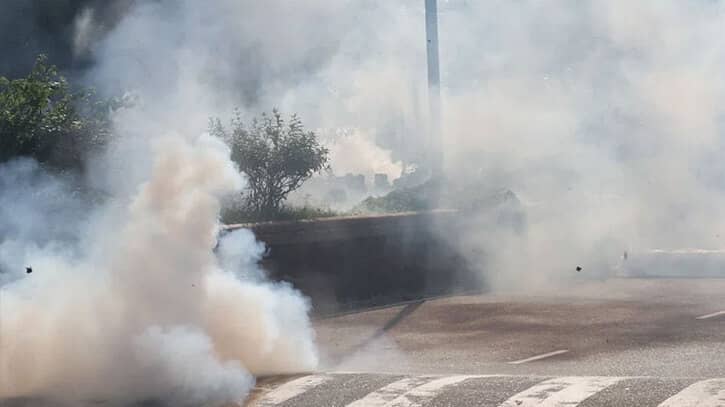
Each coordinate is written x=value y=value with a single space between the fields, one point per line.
x=28 y=270
x=578 y=268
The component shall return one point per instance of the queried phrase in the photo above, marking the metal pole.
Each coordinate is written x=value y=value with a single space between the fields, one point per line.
x=434 y=88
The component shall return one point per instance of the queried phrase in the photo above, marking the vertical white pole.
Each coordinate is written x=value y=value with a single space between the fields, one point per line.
x=434 y=144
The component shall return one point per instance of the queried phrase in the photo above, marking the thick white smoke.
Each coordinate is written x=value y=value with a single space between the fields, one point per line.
x=355 y=152
x=152 y=314
x=604 y=117
x=128 y=299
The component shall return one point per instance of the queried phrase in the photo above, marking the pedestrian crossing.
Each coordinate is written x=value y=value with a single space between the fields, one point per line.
x=705 y=393
x=292 y=389
x=375 y=390
x=562 y=391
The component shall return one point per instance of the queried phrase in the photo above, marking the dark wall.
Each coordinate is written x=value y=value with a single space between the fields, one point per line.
x=345 y=263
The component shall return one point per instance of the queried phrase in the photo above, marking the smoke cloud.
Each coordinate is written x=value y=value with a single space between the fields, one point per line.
x=128 y=299
x=148 y=312
x=604 y=118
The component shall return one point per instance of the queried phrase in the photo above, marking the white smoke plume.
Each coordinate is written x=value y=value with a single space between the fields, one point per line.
x=353 y=151
x=151 y=314
x=604 y=117
x=128 y=300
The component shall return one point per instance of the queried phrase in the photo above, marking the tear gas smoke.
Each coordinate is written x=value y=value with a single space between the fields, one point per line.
x=128 y=300
x=151 y=314
x=604 y=118
x=369 y=159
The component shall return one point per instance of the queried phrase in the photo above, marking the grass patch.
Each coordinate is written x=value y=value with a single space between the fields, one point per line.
x=286 y=213
x=410 y=199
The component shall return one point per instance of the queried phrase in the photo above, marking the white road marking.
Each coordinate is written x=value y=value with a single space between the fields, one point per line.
x=687 y=251
x=385 y=395
x=419 y=396
x=562 y=391
x=705 y=393
x=291 y=389
x=539 y=357
x=714 y=314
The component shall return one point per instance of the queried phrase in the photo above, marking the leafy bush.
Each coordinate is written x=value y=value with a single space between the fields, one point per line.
x=277 y=156
x=43 y=118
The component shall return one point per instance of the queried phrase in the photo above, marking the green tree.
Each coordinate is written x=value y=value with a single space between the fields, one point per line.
x=275 y=154
x=43 y=118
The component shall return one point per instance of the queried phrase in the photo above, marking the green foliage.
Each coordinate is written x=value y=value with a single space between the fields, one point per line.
x=305 y=212
x=276 y=155
x=285 y=213
x=42 y=117
x=468 y=196
x=408 y=199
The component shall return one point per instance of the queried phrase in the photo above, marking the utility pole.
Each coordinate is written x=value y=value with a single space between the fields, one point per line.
x=434 y=145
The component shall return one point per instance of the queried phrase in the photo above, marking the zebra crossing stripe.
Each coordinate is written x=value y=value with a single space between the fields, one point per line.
x=291 y=389
x=561 y=391
x=385 y=395
x=418 y=396
x=705 y=393
x=419 y=391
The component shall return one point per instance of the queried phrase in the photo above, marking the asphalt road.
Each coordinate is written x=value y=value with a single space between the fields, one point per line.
x=620 y=342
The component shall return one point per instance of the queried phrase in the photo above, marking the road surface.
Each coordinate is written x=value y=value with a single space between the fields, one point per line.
x=620 y=342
